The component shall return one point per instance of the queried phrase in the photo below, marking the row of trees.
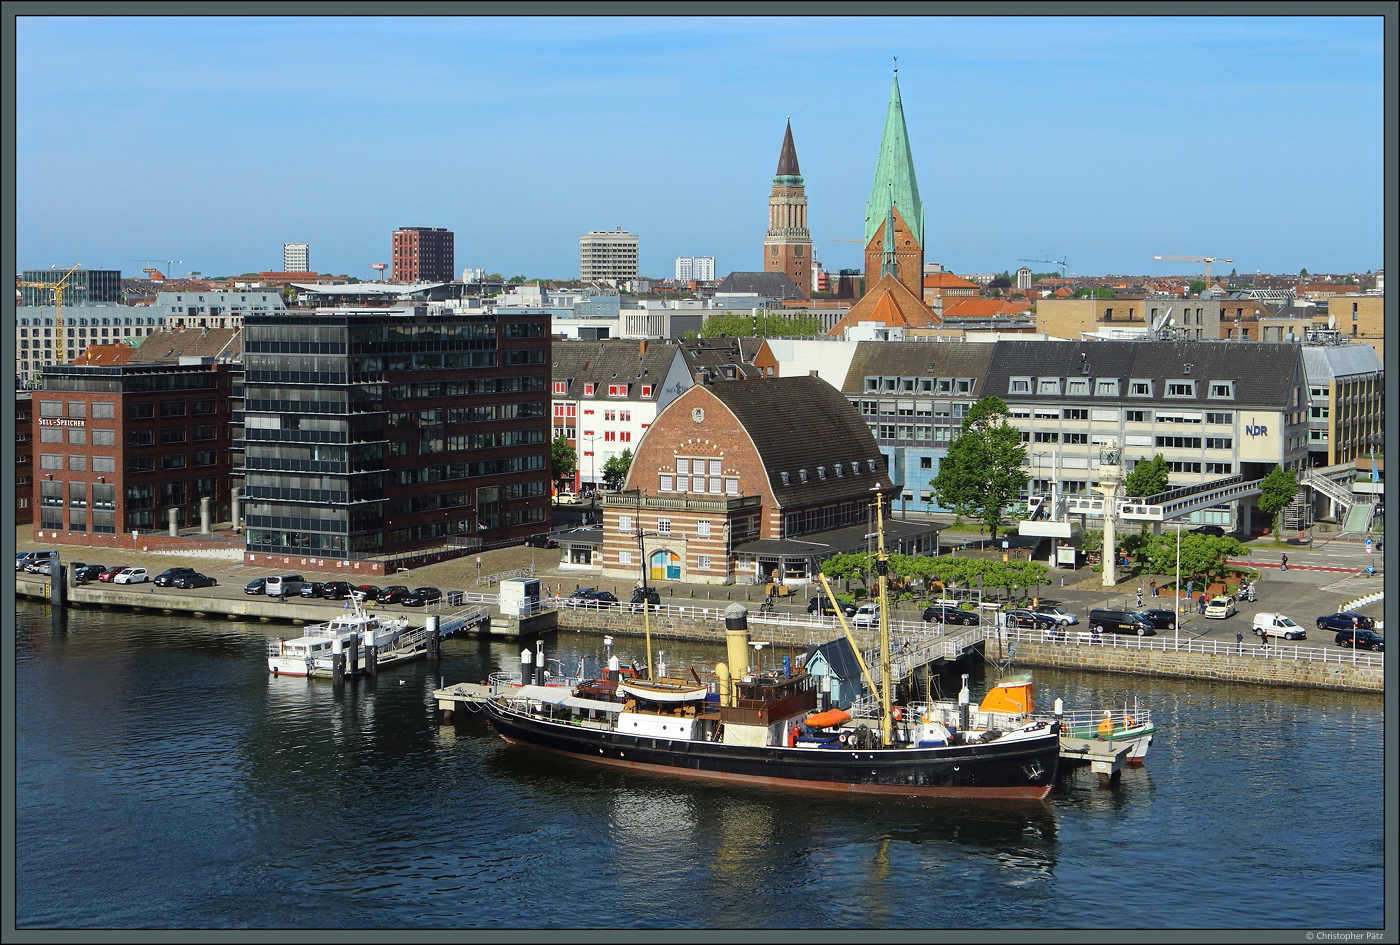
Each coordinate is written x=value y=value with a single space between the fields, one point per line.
x=762 y=325
x=948 y=570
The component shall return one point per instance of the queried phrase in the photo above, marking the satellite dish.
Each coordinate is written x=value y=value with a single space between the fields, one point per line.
x=1331 y=322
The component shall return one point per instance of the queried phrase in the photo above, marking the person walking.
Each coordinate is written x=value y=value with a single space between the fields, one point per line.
x=1139 y=598
x=1201 y=603
x=1251 y=592
x=1239 y=640
x=1284 y=565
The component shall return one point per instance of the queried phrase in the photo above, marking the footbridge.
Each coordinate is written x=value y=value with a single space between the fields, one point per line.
x=1172 y=504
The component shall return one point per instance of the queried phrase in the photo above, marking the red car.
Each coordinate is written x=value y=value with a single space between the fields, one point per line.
x=110 y=573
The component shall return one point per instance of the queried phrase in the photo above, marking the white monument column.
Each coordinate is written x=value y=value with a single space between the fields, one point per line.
x=1110 y=477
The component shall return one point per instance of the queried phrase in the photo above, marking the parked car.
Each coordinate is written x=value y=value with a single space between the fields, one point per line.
x=1346 y=620
x=107 y=575
x=541 y=541
x=23 y=559
x=39 y=567
x=367 y=592
x=866 y=615
x=1277 y=625
x=590 y=597
x=1361 y=640
x=312 y=589
x=567 y=498
x=255 y=586
x=337 y=590
x=641 y=597
x=828 y=609
x=1158 y=619
x=1062 y=617
x=131 y=576
x=947 y=613
x=283 y=585
x=1215 y=530
x=421 y=596
x=83 y=573
x=1027 y=619
x=1221 y=607
x=194 y=579
x=168 y=576
x=394 y=594
x=1120 y=621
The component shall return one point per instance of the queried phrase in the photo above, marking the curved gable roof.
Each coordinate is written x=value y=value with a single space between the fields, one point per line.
x=801 y=423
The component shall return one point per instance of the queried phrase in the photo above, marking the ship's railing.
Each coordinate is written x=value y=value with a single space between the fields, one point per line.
x=1167 y=644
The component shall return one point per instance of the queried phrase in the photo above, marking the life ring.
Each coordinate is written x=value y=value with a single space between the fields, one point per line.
x=897 y=713
x=1128 y=721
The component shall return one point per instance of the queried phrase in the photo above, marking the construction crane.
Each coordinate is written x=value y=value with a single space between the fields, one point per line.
x=1062 y=263
x=1200 y=259
x=60 y=340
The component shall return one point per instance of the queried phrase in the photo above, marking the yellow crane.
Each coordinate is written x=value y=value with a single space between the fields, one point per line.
x=1200 y=259
x=60 y=339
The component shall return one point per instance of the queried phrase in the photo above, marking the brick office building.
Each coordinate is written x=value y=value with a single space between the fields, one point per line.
x=119 y=446
x=24 y=458
x=748 y=481
x=423 y=254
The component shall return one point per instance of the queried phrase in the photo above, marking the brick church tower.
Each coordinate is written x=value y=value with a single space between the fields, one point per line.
x=787 y=246
x=894 y=215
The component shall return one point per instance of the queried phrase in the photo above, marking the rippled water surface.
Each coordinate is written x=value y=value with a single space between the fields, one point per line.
x=164 y=780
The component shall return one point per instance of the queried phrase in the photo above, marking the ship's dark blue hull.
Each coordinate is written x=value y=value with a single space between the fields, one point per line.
x=1003 y=768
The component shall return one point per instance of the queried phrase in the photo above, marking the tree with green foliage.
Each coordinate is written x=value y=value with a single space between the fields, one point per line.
x=1275 y=492
x=1148 y=477
x=615 y=470
x=1302 y=273
x=563 y=458
x=1204 y=558
x=1087 y=292
x=982 y=474
x=762 y=325
x=1196 y=286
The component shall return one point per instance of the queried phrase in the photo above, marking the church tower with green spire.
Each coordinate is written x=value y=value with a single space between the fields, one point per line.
x=894 y=215
x=787 y=246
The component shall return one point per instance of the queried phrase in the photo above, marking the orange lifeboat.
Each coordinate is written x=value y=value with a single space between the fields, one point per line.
x=828 y=718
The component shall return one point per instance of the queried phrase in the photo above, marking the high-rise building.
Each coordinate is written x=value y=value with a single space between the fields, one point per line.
x=337 y=465
x=695 y=269
x=423 y=254
x=607 y=254
x=787 y=246
x=296 y=257
x=894 y=215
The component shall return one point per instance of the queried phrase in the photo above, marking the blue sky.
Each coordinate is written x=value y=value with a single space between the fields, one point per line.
x=1103 y=140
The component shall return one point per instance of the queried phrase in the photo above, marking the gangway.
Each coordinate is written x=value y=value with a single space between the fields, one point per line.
x=1174 y=503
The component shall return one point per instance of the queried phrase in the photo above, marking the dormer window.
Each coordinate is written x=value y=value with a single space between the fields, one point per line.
x=1020 y=385
x=802 y=475
x=838 y=470
x=1181 y=388
x=646 y=390
x=1048 y=385
x=1224 y=389
x=821 y=472
x=1138 y=387
x=561 y=387
x=1106 y=387
x=872 y=464
x=588 y=389
x=786 y=480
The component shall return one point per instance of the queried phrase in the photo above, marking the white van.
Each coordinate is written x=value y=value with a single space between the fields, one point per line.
x=24 y=559
x=283 y=585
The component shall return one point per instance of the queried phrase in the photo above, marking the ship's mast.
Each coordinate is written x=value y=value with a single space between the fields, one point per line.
x=882 y=570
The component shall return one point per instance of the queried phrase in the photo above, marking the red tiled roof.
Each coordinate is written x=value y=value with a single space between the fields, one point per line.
x=946 y=280
x=985 y=308
x=891 y=303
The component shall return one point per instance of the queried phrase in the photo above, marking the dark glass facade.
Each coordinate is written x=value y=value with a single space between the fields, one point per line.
x=369 y=434
x=84 y=287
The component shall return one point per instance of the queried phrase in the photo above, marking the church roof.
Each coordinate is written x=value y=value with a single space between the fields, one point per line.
x=894 y=175
x=891 y=303
x=787 y=160
x=773 y=285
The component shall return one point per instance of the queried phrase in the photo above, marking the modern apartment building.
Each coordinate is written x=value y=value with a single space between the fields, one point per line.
x=296 y=257
x=695 y=269
x=1346 y=392
x=423 y=254
x=607 y=255
x=83 y=325
x=374 y=433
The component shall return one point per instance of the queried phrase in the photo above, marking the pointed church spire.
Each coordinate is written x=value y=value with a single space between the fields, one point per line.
x=787 y=159
x=894 y=174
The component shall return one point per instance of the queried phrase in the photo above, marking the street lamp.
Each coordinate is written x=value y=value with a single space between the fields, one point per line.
x=592 y=461
x=1176 y=618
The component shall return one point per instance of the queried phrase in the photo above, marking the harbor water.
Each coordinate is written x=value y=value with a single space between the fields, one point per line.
x=165 y=781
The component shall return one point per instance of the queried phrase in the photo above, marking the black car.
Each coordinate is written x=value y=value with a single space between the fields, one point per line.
x=167 y=577
x=541 y=541
x=193 y=580
x=257 y=586
x=1029 y=620
x=420 y=596
x=1346 y=620
x=589 y=597
x=1159 y=619
x=337 y=590
x=83 y=573
x=1215 y=530
x=312 y=589
x=826 y=608
x=946 y=613
x=1361 y=640
x=640 y=597
x=394 y=594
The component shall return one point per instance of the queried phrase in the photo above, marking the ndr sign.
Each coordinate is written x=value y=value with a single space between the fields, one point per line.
x=1256 y=429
